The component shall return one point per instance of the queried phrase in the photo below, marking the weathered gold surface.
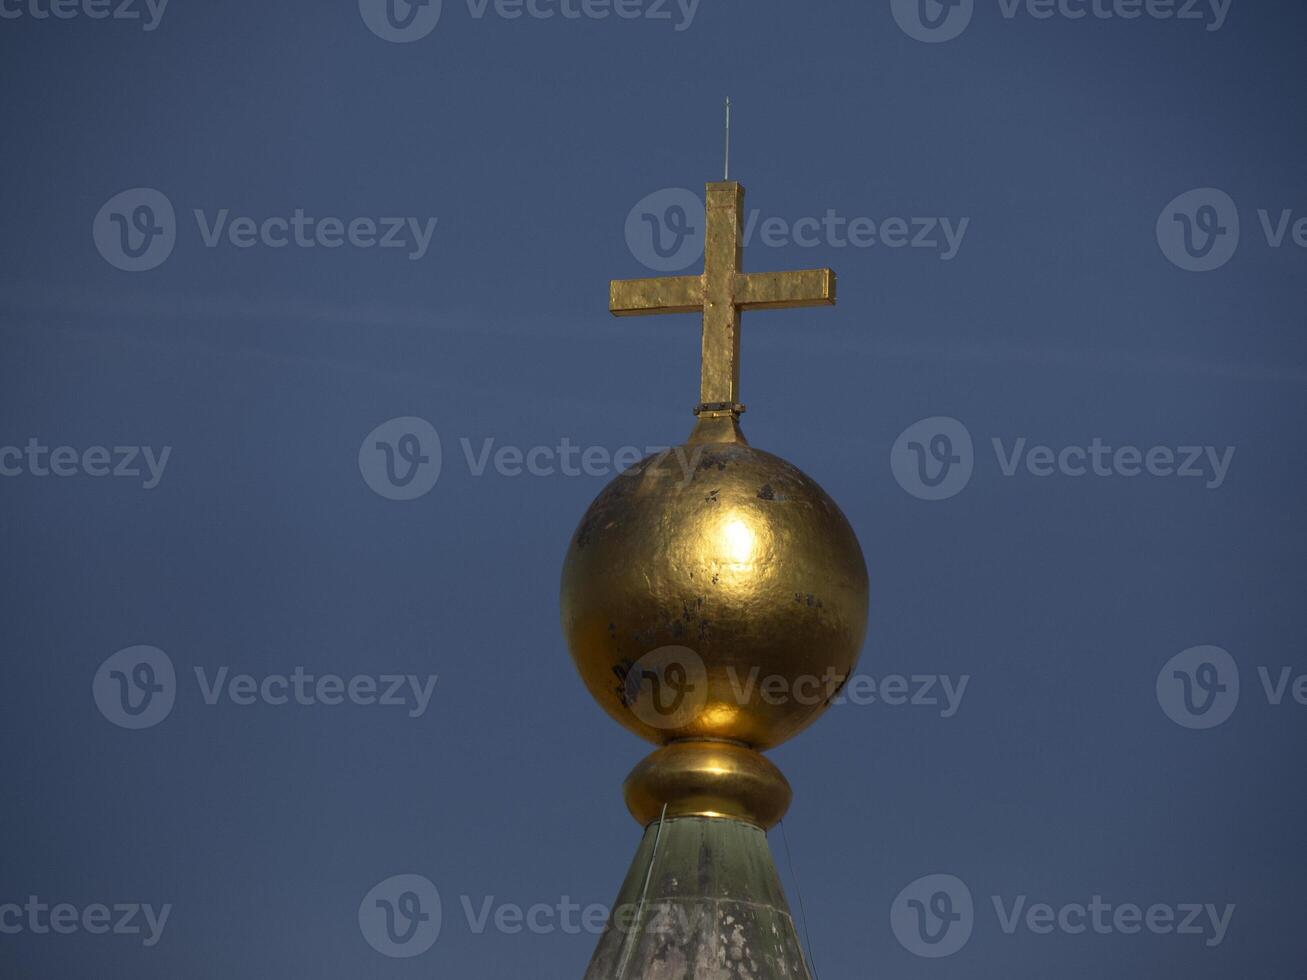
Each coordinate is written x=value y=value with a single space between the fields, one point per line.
x=734 y=555
x=723 y=291
x=708 y=779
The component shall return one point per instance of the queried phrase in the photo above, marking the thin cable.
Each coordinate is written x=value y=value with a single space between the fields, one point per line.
x=644 y=892
x=803 y=914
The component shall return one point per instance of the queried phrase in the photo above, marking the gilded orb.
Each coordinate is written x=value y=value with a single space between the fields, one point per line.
x=714 y=591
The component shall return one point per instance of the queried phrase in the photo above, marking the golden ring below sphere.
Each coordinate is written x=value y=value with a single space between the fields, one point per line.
x=707 y=779
x=714 y=591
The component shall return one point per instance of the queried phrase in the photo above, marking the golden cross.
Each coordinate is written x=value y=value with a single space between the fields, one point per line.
x=722 y=292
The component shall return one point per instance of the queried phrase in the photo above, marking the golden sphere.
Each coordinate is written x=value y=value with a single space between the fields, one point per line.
x=714 y=591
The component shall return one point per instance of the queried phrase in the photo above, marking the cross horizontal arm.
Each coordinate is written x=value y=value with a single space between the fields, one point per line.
x=783 y=290
x=644 y=297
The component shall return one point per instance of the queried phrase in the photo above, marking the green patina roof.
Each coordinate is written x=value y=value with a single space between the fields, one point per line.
x=713 y=909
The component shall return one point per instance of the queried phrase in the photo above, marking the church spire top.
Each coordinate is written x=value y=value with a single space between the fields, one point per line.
x=694 y=567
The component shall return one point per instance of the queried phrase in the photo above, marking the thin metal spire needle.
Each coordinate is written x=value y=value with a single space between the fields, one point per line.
x=727 y=174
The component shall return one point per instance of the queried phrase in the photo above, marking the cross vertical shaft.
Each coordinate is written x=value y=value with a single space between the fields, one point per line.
x=723 y=255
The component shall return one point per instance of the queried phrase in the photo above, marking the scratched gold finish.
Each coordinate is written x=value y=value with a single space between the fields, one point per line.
x=714 y=598
x=747 y=563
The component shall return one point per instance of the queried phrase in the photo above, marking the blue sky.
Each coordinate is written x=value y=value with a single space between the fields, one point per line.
x=504 y=156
